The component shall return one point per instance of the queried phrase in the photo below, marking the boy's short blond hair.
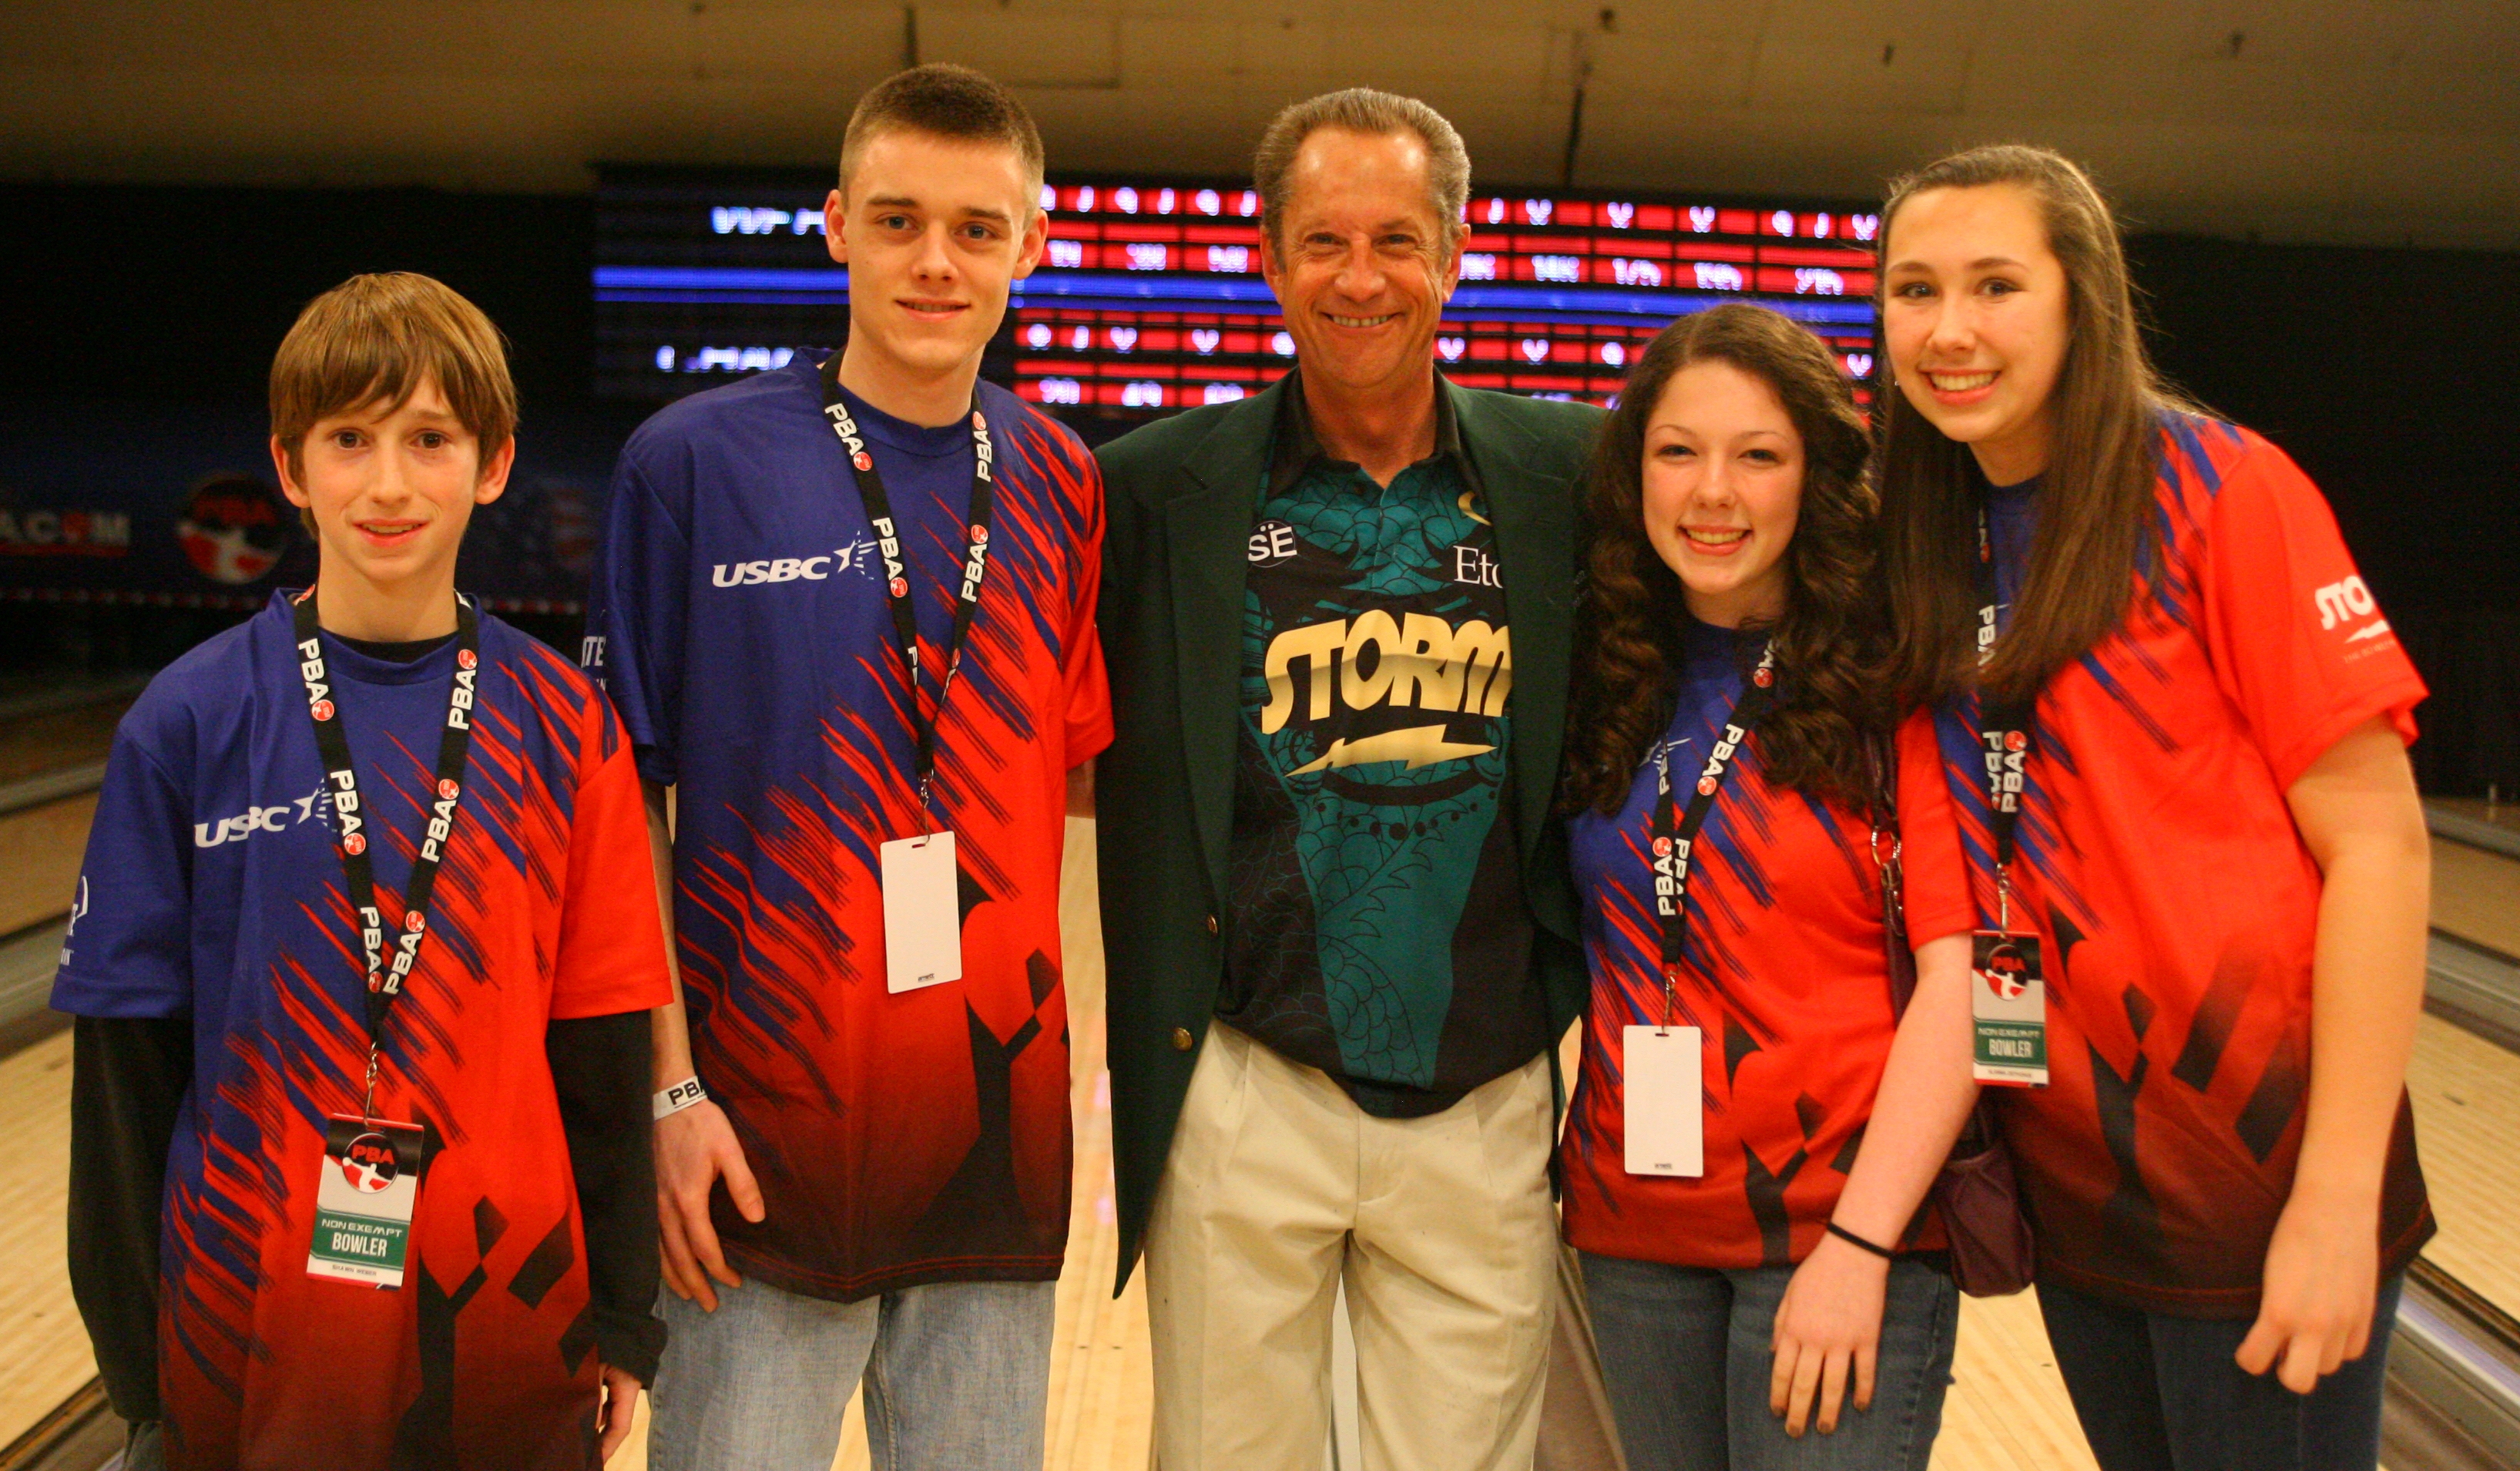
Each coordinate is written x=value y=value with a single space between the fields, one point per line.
x=376 y=339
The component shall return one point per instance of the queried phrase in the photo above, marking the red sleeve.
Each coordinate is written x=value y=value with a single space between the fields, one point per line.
x=1088 y=687
x=612 y=945
x=2298 y=645
x=1929 y=839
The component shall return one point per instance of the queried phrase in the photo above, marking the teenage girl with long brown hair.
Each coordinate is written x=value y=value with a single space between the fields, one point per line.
x=2175 y=724
x=1754 y=1125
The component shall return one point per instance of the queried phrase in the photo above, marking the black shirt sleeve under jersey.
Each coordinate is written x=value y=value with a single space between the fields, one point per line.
x=599 y=1066
x=127 y=1081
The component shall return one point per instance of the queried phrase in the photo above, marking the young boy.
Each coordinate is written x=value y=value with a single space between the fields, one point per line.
x=846 y=611
x=361 y=959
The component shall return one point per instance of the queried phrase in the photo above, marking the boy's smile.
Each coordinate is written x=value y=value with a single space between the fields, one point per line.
x=391 y=487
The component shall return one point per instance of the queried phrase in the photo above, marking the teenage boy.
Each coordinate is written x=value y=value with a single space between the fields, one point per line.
x=362 y=963
x=847 y=610
x=1340 y=937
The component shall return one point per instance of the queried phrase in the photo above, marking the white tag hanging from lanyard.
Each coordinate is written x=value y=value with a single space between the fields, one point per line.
x=922 y=907
x=1663 y=1067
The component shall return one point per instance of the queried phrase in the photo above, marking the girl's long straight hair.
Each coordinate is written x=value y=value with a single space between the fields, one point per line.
x=2095 y=516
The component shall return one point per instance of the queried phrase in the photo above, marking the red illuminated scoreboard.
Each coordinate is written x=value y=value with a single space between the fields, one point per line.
x=1150 y=297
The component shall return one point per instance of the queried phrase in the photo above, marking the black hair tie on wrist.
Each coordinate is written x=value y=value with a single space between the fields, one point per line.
x=1843 y=1234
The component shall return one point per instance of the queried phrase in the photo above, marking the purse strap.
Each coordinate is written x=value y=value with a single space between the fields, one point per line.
x=1883 y=804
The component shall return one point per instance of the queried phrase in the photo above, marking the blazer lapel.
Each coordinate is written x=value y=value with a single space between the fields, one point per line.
x=1535 y=532
x=1206 y=530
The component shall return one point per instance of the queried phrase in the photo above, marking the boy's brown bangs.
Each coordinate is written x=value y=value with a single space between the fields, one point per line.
x=372 y=341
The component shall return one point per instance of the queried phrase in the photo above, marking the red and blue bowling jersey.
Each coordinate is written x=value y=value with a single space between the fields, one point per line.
x=2174 y=900
x=740 y=621
x=1784 y=972
x=213 y=888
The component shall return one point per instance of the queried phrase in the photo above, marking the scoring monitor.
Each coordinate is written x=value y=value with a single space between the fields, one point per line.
x=1150 y=297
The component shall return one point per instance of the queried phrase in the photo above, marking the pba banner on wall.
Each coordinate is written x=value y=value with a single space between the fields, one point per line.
x=177 y=505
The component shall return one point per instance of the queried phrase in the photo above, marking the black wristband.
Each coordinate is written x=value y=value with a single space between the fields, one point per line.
x=1843 y=1234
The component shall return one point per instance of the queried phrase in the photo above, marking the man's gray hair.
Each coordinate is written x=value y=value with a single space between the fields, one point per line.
x=1362 y=109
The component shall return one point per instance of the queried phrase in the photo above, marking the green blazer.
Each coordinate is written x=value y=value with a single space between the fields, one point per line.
x=1181 y=497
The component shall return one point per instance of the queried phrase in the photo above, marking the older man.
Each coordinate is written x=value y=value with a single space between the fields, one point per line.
x=1341 y=940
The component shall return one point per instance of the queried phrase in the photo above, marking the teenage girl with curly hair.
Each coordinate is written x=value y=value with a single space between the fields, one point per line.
x=1754 y=1127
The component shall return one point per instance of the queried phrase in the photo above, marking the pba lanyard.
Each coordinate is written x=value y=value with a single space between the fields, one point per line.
x=896 y=586
x=1674 y=831
x=2005 y=737
x=342 y=782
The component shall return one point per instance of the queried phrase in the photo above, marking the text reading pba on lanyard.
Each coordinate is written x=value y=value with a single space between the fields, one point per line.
x=921 y=901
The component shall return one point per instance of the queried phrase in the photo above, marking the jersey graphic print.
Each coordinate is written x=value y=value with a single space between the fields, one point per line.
x=1376 y=667
x=1783 y=972
x=897 y=1139
x=2175 y=903
x=214 y=886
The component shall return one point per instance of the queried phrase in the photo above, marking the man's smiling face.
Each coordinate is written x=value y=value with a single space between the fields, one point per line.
x=935 y=232
x=1361 y=262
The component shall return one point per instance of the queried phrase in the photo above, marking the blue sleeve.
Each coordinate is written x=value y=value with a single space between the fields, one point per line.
x=634 y=617
x=129 y=951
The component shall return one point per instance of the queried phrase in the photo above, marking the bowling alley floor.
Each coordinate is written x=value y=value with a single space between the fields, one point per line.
x=2006 y=1409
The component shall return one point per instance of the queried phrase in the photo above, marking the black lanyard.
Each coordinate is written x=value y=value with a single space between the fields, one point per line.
x=2004 y=732
x=1674 y=831
x=350 y=815
x=896 y=585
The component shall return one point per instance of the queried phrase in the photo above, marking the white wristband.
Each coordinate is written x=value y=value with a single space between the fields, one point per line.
x=682 y=1095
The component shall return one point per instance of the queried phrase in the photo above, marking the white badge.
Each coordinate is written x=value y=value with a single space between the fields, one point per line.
x=922 y=913
x=1666 y=1100
x=364 y=1199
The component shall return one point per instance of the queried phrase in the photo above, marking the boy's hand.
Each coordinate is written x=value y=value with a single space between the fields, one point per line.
x=693 y=1148
x=612 y=1418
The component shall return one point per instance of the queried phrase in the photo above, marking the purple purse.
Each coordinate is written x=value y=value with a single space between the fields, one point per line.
x=1992 y=1254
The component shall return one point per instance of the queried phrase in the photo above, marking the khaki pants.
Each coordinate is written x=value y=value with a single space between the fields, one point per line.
x=1279 y=1189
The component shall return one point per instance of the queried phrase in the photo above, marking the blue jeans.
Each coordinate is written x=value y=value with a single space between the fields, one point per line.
x=1684 y=1355
x=955 y=1375
x=2157 y=1393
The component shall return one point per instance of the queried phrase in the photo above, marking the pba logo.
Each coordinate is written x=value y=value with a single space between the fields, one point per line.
x=2014 y=740
x=448 y=790
x=1706 y=786
x=864 y=461
x=466 y=659
x=900 y=587
x=415 y=922
x=354 y=844
x=2006 y=972
x=234 y=530
x=322 y=710
x=369 y=1164
x=1662 y=848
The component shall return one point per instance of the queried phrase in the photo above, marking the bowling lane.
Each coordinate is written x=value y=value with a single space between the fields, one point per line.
x=43 y=1347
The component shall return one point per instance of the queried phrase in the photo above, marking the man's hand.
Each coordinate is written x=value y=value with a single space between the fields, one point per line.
x=612 y=1418
x=2321 y=1276
x=693 y=1148
x=1829 y=1320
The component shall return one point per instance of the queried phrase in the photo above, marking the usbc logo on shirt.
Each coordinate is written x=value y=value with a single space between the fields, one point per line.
x=769 y=570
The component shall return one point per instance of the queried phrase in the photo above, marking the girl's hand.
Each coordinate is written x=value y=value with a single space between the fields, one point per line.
x=1831 y=1320
x=2321 y=1286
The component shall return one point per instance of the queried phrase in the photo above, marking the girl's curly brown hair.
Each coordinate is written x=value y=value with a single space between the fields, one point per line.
x=1630 y=613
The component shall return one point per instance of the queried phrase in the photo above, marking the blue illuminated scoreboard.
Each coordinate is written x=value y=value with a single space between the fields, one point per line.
x=1150 y=297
